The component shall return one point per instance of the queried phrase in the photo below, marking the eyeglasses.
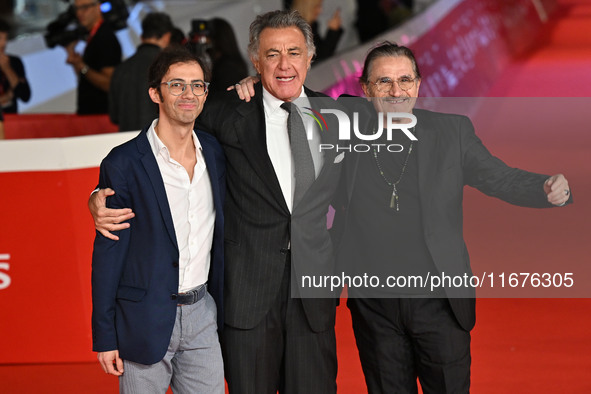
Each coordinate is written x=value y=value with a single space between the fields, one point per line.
x=385 y=84
x=84 y=7
x=176 y=88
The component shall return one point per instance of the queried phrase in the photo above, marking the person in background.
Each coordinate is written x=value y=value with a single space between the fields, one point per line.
x=178 y=37
x=130 y=105
x=228 y=65
x=377 y=16
x=96 y=66
x=13 y=81
x=310 y=10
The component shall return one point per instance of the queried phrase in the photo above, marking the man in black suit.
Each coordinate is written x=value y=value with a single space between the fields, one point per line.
x=271 y=341
x=402 y=215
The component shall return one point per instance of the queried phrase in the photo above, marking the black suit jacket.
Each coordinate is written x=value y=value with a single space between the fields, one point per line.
x=130 y=105
x=450 y=155
x=259 y=227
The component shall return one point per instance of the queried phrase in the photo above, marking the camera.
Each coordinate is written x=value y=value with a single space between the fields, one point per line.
x=198 y=37
x=66 y=29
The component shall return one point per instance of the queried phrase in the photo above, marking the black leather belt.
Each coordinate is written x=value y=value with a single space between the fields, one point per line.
x=192 y=296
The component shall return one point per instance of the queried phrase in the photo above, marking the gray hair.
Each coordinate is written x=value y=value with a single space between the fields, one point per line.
x=278 y=20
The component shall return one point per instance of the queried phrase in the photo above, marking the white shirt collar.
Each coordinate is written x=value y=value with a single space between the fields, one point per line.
x=158 y=146
x=272 y=103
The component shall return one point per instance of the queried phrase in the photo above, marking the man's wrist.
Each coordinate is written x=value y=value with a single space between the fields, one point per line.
x=84 y=69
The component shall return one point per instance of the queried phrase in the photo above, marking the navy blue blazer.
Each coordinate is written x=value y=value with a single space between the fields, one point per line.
x=134 y=278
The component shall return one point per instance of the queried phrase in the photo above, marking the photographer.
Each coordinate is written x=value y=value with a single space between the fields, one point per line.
x=96 y=65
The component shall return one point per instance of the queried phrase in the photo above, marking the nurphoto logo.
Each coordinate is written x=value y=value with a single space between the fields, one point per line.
x=315 y=115
x=402 y=121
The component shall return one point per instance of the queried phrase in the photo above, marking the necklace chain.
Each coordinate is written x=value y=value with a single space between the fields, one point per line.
x=392 y=184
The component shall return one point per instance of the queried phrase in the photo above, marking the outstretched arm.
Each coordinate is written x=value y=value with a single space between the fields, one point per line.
x=493 y=177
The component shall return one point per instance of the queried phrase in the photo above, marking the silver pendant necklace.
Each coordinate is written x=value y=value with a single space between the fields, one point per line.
x=394 y=199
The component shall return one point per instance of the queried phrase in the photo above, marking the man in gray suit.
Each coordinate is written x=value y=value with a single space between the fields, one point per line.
x=271 y=341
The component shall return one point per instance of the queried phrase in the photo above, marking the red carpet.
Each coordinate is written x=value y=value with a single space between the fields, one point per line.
x=528 y=345
x=519 y=345
x=541 y=345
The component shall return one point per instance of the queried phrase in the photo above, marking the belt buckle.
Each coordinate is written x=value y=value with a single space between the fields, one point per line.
x=195 y=294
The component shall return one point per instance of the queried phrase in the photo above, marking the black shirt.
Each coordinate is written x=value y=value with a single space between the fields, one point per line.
x=130 y=105
x=103 y=50
x=388 y=242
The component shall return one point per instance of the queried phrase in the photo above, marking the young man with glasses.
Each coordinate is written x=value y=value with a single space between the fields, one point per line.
x=101 y=55
x=155 y=290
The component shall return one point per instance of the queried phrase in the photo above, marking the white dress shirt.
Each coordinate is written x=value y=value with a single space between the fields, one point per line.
x=192 y=209
x=278 y=146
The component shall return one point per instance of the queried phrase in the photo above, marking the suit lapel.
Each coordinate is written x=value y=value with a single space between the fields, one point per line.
x=427 y=155
x=212 y=170
x=328 y=136
x=367 y=121
x=251 y=131
x=151 y=166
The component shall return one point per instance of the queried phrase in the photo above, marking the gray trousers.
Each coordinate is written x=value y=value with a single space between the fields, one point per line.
x=193 y=362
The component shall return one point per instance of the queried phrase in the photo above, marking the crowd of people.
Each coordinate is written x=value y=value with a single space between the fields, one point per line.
x=208 y=219
x=108 y=85
x=102 y=53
